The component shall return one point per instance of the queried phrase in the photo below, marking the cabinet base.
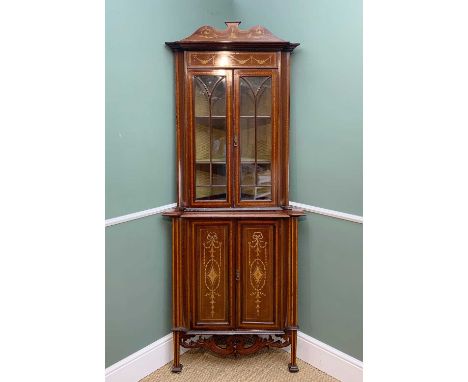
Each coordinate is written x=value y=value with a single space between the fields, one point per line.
x=293 y=368
x=234 y=344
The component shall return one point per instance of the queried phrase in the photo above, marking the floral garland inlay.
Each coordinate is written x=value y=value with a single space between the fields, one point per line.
x=212 y=268
x=258 y=263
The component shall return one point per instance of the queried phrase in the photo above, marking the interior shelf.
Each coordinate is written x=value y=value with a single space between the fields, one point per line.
x=207 y=116
x=223 y=116
x=207 y=161
x=252 y=160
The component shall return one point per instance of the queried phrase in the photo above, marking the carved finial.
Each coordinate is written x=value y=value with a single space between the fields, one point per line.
x=232 y=23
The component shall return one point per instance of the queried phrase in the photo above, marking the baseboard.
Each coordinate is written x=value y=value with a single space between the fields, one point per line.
x=316 y=353
x=328 y=359
x=138 y=365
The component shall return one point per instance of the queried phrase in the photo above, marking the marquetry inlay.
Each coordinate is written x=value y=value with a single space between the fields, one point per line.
x=234 y=252
x=232 y=33
x=212 y=252
x=258 y=265
x=232 y=59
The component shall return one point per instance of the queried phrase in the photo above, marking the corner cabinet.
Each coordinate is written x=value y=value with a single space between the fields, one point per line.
x=234 y=260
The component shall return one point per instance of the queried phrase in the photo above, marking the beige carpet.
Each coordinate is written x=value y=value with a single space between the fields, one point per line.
x=264 y=366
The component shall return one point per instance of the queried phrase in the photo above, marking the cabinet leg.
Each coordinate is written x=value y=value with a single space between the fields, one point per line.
x=293 y=365
x=176 y=366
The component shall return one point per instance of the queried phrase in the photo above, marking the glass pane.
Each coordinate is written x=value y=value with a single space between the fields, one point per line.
x=210 y=137
x=218 y=139
x=201 y=98
x=247 y=139
x=263 y=193
x=255 y=96
x=264 y=98
x=264 y=139
x=218 y=99
x=219 y=174
x=211 y=193
x=255 y=137
x=248 y=174
x=247 y=98
x=247 y=193
x=264 y=174
x=203 y=174
x=202 y=139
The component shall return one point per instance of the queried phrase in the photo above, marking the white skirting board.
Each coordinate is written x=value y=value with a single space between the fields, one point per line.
x=143 y=362
x=328 y=359
x=322 y=356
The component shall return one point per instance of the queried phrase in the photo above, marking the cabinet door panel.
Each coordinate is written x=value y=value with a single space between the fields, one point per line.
x=255 y=99
x=259 y=279
x=212 y=283
x=209 y=105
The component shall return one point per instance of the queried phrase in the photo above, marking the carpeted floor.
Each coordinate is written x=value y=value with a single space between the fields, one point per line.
x=264 y=366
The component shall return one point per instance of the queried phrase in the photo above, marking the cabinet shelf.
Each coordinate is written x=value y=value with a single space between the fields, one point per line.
x=207 y=116
x=252 y=160
x=207 y=161
x=223 y=116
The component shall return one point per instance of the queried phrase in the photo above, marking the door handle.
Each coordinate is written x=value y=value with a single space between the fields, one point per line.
x=237 y=275
x=235 y=141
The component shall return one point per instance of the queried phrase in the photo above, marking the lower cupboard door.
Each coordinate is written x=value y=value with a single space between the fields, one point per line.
x=259 y=279
x=211 y=286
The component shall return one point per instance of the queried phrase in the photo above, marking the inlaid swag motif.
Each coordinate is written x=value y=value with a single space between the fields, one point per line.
x=258 y=266
x=232 y=59
x=212 y=253
x=232 y=33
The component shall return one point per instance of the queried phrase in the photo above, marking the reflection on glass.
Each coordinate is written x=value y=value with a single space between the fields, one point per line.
x=218 y=139
x=247 y=193
x=255 y=137
x=263 y=193
x=247 y=98
x=211 y=193
x=210 y=137
x=219 y=174
x=255 y=193
x=264 y=174
x=218 y=99
x=247 y=139
x=248 y=174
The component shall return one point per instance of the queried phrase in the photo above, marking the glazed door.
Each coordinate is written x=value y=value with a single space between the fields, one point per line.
x=233 y=130
x=259 y=278
x=209 y=114
x=255 y=137
x=211 y=272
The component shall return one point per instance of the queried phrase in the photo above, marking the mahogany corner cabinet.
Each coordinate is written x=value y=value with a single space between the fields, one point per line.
x=234 y=236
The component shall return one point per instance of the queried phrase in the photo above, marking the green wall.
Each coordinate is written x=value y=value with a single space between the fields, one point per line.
x=326 y=95
x=326 y=159
x=330 y=282
x=140 y=113
x=138 y=276
x=140 y=170
x=326 y=156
